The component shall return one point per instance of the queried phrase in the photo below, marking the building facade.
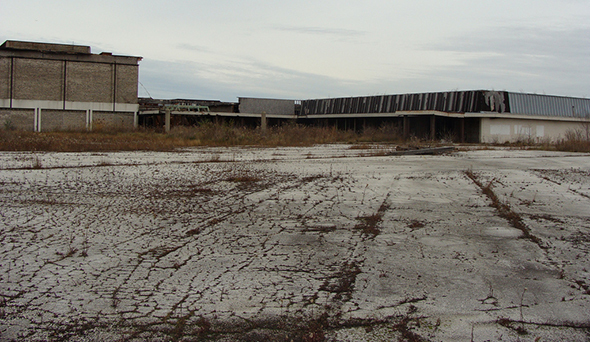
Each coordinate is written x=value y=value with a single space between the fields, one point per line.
x=45 y=87
x=466 y=116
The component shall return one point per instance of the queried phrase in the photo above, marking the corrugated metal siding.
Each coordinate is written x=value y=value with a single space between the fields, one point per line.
x=473 y=101
x=544 y=105
x=452 y=102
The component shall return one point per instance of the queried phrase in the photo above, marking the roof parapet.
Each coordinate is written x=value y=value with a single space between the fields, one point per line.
x=46 y=47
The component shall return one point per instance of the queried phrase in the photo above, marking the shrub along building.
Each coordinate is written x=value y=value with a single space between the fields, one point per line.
x=47 y=87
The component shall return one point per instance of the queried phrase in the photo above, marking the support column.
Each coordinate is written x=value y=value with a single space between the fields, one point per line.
x=135 y=120
x=462 y=130
x=263 y=122
x=37 y=119
x=433 y=127
x=167 y=121
x=406 y=127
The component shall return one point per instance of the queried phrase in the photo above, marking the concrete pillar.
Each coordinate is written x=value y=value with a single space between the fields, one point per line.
x=462 y=130
x=167 y=121
x=433 y=127
x=37 y=119
x=263 y=122
x=406 y=127
x=135 y=120
x=87 y=119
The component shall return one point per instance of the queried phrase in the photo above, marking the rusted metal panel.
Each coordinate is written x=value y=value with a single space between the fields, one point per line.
x=453 y=102
x=473 y=101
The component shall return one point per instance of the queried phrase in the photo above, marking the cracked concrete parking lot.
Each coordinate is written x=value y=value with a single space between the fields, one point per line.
x=294 y=244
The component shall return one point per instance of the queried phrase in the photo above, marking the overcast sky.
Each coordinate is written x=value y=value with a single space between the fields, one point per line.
x=303 y=49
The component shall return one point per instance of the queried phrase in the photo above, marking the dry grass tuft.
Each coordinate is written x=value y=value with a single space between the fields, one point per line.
x=368 y=224
x=88 y=141
x=575 y=141
x=204 y=134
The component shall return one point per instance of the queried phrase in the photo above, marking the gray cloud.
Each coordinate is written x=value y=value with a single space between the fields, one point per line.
x=320 y=31
x=537 y=60
x=522 y=59
x=191 y=47
x=250 y=78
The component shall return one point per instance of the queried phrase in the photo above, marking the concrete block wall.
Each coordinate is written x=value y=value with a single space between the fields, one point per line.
x=5 y=78
x=110 y=120
x=127 y=80
x=89 y=82
x=36 y=79
x=268 y=106
x=58 y=120
x=54 y=120
x=60 y=86
x=20 y=119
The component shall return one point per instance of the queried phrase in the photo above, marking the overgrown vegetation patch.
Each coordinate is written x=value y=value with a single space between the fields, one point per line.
x=342 y=282
x=369 y=224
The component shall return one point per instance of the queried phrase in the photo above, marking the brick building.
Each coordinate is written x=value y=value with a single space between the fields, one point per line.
x=46 y=87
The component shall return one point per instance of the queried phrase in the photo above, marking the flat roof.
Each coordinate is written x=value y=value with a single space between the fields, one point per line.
x=46 y=47
x=37 y=50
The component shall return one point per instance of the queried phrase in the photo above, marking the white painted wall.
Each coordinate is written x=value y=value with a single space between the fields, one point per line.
x=500 y=130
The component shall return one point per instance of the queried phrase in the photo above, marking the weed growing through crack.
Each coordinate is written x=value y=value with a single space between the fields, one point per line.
x=521 y=330
x=84 y=252
x=36 y=164
x=104 y=162
x=193 y=231
x=243 y=176
x=503 y=209
x=369 y=224
x=342 y=283
x=415 y=224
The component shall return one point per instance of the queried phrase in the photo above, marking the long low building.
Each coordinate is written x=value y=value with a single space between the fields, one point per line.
x=46 y=87
x=471 y=116
x=460 y=116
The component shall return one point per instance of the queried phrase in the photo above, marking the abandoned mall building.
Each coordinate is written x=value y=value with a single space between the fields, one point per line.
x=47 y=87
